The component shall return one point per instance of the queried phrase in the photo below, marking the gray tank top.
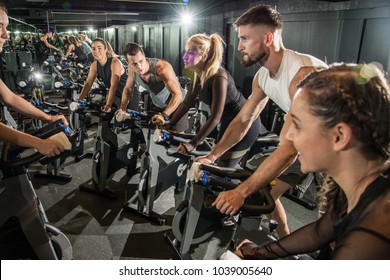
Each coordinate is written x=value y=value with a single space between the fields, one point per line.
x=157 y=90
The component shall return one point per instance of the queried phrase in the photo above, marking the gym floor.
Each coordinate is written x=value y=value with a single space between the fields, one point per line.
x=99 y=230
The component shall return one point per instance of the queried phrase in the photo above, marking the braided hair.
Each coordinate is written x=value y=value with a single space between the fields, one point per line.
x=358 y=95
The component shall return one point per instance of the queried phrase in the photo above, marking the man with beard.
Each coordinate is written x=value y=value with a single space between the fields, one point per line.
x=260 y=34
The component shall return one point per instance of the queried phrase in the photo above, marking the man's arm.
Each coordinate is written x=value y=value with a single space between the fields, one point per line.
x=70 y=49
x=20 y=105
x=240 y=125
x=166 y=74
x=88 y=40
x=127 y=93
x=229 y=202
x=47 y=44
x=299 y=76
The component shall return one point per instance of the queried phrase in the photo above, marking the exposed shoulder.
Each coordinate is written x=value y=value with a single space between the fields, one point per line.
x=306 y=70
x=222 y=72
x=257 y=91
x=256 y=77
x=162 y=65
x=163 y=68
x=93 y=66
x=115 y=60
x=299 y=76
x=255 y=81
x=116 y=63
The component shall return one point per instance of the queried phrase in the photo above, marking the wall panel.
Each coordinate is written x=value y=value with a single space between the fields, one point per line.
x=376 y=42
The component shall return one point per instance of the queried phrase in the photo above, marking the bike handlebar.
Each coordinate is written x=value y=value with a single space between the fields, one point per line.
x=10 y=156
x=210 y=176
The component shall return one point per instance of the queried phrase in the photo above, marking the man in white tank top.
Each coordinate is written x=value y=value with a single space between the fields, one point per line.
x=260 y=34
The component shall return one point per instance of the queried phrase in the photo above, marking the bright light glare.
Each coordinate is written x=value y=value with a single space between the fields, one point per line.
x=186 y=18
x=38 y=76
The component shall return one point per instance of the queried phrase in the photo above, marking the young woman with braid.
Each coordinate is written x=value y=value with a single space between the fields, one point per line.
x=215 y=87
x=341 y=126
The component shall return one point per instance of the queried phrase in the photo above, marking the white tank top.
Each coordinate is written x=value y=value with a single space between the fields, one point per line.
x=277 y=87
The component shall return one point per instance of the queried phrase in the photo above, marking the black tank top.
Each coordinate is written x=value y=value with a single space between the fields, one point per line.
x=104 y=73
x=369 y=216
x=234 y=99
x=81 y=56
x=233 y=104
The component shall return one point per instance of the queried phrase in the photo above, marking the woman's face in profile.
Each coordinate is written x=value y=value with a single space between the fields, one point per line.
x=191 y=55
x=312 y=141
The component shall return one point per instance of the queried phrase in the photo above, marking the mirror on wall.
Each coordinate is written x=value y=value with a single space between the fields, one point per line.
x=21 y=35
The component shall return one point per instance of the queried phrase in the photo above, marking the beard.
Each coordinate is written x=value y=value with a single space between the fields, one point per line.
x=247 y=60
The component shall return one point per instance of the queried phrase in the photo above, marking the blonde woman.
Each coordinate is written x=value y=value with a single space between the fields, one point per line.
x=215 y=87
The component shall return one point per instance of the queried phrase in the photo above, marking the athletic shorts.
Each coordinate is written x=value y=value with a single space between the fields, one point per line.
x=293 y=174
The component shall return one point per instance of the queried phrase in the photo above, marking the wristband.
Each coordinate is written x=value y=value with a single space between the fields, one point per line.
x=165 y=116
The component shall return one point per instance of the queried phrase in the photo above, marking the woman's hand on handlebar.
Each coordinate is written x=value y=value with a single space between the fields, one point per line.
x=238 y=248
x=229 y=202
x=185 y=148
x=106 y=108
x=207 y=159
x=119 y=111
x=58 y=117
x=49 y=148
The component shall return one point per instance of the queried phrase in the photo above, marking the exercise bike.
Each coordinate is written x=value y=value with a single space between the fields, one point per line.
x=53 y=167
x=263 y=147
x=161 y=168
x=111 y=154
x=80 y=119
x=25 y=232
x=196 y=219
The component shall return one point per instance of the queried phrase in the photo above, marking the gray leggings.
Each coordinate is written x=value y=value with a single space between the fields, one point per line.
x=231 y=158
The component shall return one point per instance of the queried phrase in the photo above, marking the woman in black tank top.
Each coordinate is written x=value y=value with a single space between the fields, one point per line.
x=110 y=70
x=44 y=47
x=75 y=50
x=216 y=88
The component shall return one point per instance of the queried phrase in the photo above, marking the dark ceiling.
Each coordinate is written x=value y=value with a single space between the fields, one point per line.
x=84 y=14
